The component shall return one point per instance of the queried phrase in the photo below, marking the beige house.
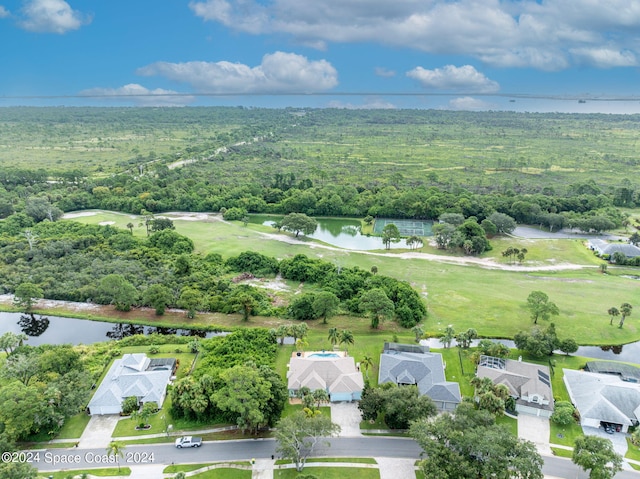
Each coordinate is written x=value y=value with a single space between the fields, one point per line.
x=332 y=372
x=529 y=384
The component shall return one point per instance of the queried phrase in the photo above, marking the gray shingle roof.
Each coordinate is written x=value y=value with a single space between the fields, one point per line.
x=425 y=370
x=128 y=377
x=603 y=397
x=521 y=378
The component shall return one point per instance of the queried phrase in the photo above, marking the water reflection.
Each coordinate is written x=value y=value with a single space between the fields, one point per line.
x=161 y=330
x=350 y=230
x=614 y=349
x=33 y=326
x=120 y=330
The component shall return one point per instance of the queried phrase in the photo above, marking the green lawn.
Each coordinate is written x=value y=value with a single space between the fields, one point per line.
x=183 y=468
x=224 y=473
x=330 y=473
x=106 y=472
x=509 y=422
x=127 y=426
x=560 y=452
x=74 y=426
x=489 y=300
x=633 y=451
x=192 y=467
x=569 y=434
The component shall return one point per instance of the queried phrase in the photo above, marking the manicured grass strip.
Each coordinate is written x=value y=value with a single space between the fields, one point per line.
x=569 y=434
x=633 y=451
x=330 y=473
x=558 y=451
x=458 y=367
x=183 y=468
x=224 y=474
x=356 y=460
x=377 y=424
x=510 y=422
x=105 y=472
x=74 y=426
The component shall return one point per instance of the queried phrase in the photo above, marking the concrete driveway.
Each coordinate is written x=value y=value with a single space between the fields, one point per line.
x=618 y=439
x=348 y=417
x=535 y=429
x=99 y=431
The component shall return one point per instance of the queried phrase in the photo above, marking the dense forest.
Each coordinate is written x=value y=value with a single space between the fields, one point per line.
x=408 y=164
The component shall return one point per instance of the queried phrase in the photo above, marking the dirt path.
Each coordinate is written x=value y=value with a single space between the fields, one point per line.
x=487 y=263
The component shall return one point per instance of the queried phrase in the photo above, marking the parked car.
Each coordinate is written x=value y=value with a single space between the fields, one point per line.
x=608 y=427
x=188 y=441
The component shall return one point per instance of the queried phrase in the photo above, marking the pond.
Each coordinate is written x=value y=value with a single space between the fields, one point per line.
x=629 y=353
x=341 y=232
x=59 y=330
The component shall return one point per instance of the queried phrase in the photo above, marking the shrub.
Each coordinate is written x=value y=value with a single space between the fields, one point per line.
x=129 y=405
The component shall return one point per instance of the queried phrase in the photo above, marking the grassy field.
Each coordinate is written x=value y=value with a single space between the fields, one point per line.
x=330 y=473
x=104 y=472
x=489 y=300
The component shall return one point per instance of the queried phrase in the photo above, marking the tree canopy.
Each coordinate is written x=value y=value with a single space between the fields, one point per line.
x=469 y=444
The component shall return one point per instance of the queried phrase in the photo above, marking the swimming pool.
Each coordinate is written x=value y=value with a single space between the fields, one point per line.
x=324 y=355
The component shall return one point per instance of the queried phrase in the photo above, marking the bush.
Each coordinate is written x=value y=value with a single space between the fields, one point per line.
x=153 y=349
x=234 y=214
x=130 y=405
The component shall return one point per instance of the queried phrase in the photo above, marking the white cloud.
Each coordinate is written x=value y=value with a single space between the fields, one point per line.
x=605 y=57
x=279 y=72
x=450 y=77
x=468 y=103
x=4 y=13
x=51 y=16
x=383 y=72
x=140 y=95
x=505 y=33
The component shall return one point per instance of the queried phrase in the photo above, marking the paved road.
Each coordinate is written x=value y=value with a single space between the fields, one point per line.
x=56 y=459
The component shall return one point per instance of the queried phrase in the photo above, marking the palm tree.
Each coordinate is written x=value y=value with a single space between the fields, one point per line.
x=116 y=448
x=346 y=337
x=625 y=310
x=418 y=331
x=130 y=226
x=366 y=363
x=334 y=336
x=449 y=334
x=613 y=312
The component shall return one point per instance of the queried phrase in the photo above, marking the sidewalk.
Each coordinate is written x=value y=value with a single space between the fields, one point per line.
x=146 y=436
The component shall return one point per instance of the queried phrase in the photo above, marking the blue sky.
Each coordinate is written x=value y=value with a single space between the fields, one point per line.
x=525 y=55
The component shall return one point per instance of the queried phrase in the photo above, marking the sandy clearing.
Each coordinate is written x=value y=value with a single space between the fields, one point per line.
x=79 y=214
x=487 y=263
x=106 y=223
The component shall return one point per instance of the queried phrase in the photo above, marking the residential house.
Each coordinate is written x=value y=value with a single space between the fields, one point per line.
x=604 y=248
x=528 y=383
x=132 y=375
x=407 y=364
x=603 y=398
x=333 y=372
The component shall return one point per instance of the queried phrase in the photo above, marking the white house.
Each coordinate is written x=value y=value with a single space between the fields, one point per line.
x=603 y=398
x=133 y=375
x=602 y=247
